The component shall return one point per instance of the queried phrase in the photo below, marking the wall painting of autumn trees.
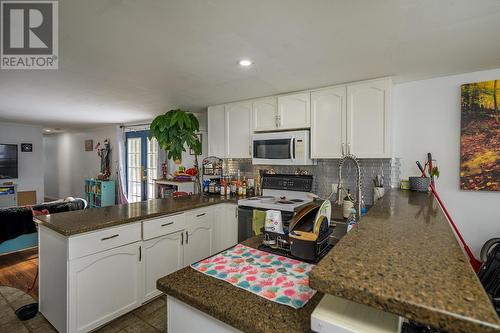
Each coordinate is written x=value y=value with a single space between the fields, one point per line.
x=480 y=136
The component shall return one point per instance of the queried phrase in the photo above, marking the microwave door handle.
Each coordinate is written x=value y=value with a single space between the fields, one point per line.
x=292 y=149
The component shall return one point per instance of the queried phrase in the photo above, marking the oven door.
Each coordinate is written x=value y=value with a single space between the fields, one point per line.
x=245 y=220
x=273 y=151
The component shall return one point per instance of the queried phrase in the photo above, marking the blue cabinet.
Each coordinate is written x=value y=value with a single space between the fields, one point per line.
x=100 y=193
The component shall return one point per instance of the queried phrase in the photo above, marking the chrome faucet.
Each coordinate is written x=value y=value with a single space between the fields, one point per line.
x=353 y=158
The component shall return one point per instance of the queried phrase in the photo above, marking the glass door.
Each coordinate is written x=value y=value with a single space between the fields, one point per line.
x=142 y=165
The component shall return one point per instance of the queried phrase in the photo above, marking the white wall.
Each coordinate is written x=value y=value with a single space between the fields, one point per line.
x=70 y=164
x=30 y=165
x=427 y=119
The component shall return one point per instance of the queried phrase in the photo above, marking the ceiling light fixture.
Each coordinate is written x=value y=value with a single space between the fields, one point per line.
x=47 y=130
x=245 y=62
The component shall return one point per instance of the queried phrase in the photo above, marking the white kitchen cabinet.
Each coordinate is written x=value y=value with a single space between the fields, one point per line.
x=238 y=133
x=265 y=114
x=328 y=122
x=199 y=235
x=103 y=286
x=368 y=118
x=91 y=278
x=216 y=131
x=294 y=111
x=225 y=226
x=162 y=256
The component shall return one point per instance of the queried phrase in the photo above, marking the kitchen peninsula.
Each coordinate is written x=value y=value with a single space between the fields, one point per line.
x=390 y=262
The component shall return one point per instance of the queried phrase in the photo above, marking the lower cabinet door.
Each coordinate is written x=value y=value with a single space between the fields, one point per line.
x=162 y=256
x=230 y=227
x=198 y=242
x=225 y=226
x=104 y=286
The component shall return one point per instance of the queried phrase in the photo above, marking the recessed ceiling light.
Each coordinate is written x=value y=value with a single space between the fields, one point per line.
x=47 y=130
x=245 y=62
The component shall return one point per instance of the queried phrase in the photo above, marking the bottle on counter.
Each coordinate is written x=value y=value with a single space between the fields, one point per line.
x=239 y=189
x=347 y=205
x=223 y=188
x=233 y=189
x=244 y=188
x=363 y=207
x=351 y=220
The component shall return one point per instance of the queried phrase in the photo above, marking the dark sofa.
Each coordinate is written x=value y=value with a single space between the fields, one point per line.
x=17 y=221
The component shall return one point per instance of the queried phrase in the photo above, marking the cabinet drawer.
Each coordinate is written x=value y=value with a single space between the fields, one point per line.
x=162 y=226
x=102 y=240
x=198 y=216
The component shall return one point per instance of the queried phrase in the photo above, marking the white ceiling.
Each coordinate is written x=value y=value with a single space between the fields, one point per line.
x=128 y=60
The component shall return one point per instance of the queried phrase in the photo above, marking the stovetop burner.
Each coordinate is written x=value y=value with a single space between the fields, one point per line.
x=285 y=202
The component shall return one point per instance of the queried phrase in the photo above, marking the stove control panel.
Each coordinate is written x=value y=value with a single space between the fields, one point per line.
x=302 y=183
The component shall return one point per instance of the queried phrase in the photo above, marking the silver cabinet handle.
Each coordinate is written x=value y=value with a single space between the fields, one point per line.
x=140 y=253
x=187 y=237
x=182 y=238
x=202 y=214
x=106 y=238
x=165 y=224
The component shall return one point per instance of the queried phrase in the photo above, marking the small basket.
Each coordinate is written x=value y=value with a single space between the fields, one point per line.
x=419 y=184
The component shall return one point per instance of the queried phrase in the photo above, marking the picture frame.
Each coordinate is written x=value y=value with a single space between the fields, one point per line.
x=26 y=147
x=89 y=145
x=479 y=133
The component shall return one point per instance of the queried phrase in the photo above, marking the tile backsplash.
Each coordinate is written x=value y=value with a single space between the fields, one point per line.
x=326 y=173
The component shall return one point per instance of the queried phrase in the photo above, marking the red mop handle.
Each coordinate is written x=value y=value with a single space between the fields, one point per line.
x=473 y=261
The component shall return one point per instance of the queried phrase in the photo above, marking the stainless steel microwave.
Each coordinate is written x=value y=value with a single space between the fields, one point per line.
x=282 y=148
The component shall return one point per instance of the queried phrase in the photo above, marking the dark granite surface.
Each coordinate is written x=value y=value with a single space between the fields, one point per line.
x=403 y=258
x=80 y=221
x=234 y=306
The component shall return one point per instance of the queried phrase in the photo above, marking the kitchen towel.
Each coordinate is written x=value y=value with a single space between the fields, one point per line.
x=276 y=278
x=258 y=219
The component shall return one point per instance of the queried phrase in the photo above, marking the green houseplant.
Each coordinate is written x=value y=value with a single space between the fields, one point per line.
x=175 y=131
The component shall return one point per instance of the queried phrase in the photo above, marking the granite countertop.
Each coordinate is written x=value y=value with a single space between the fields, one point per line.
x=80 y=221
x=404 y=258
x=234 y=306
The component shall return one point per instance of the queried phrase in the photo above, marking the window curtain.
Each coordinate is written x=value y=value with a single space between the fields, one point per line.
x=121 y=168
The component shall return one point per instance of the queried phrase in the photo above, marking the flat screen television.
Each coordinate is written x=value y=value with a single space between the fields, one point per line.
x=8 y=161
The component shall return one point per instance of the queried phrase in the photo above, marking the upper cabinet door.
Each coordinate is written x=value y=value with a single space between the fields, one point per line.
x=328 y=122
x=238 y=134
x=294 y=111
x=368 y=118
x=265 y=114
x=216 y=131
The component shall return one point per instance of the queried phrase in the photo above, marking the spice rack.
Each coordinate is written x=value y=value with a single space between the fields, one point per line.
x=211 y=174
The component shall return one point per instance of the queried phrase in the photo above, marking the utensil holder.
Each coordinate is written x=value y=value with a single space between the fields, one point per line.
x=419 y=184
x=378 y=192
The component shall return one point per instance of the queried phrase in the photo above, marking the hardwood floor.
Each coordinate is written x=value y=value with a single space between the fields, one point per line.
x=19 y=269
